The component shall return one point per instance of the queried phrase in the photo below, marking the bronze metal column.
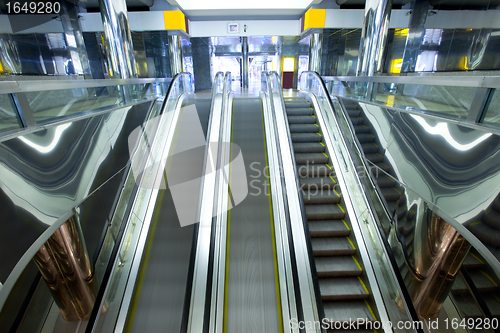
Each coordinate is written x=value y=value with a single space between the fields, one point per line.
x=65 y=266
x=439 y=255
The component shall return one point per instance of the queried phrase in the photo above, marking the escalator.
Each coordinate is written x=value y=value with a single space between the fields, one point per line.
x=345 y=292
x=476 y=289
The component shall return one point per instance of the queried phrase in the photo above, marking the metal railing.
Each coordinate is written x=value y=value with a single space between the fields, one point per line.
x=301 y=290
x=471 y=99
x=31 y=104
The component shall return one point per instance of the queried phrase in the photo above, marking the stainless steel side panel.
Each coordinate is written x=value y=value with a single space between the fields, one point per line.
x=438 y=159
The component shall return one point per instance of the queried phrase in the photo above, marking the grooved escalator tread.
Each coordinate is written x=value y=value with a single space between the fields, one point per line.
x=482 y=280
x=310 y=158
x=375 y=158
x=332 y=246
x=319 y=170
x=313 y=197
x=353 y=112
x=365 y=137
x=347 y=311
x=303 y=128
x=327 y=228
x=306 y=137
x=390 y=193
x=301 y=119
x=336 y=266
x=492 y=218
x=485 y=233
x=370 y=148
x=292 y=105
x=471 y=262
x=357 y=121
x=308 y=147
x=382 y=166
x=324 y=212
x=385 y=181
x=316 y=183
x=361 y=129
x=300 y=111
x=341 y=288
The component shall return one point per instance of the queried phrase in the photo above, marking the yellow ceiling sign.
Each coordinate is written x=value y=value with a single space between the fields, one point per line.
x=314 y=18
x=174 y=20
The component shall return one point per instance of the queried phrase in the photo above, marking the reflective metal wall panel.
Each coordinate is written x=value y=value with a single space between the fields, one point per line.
x=48 y=172
x=453 y=167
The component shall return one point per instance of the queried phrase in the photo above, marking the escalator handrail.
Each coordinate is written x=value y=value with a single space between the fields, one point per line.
x=198 y=317
x=189 y=286
x=380 y=233
x=294 y=300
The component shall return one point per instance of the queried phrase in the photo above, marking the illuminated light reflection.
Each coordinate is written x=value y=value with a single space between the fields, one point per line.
x=443 y=130
x=47 y=149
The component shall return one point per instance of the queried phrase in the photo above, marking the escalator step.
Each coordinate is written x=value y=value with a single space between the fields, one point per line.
x=357 y=121
x=496 y=204
x=353 y=113
x=341 y=288
x=306 y=137
x=483 y=282
x=317 y=183
x=308 y=147
x=332 y=246
x=324 y=212
x=366 y=138
x=393 y=205
x=485 y=233
x=347 y=311
x=390 y=193
x=369 y=148
x=383 y=166
x=328 y=228
x=310 y=158
x=300 y=112
x=405 y=227
x=320 y=170
x=304 y=128
x=351 y=106
x=375 y=158
x=385 y=181
x=301 y=120
x=361 y=129
x=336 y=266
x=471 y=262
x=312 y=197
x=297 y=104
x=401 y=210
x=492 y=218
